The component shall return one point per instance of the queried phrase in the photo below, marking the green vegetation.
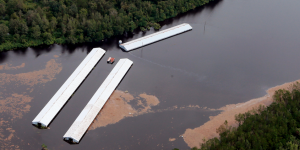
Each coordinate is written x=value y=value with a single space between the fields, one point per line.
x=276 y=127
x=43 y=127
x=44 y=147
x=25 y=23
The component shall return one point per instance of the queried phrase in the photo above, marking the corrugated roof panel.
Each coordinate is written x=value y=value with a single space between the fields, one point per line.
x=68 y=88
x=90 y=111
x=155 y=37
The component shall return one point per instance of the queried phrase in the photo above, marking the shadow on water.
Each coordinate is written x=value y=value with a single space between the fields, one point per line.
x=3 y=56
x=44 y=49
x=210 y=6
x=110 y=42
x=65 y=48
x=126 y=36
x=39 y=50
x=170 y=71
x=109 y=45
x=21 y=51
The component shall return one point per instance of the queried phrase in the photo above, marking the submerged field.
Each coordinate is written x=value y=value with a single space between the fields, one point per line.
x=232 y=56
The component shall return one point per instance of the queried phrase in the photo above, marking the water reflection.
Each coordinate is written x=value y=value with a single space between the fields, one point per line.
x=3 y=56
x=193 y=13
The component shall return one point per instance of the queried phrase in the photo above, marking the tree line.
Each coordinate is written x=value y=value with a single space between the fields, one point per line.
x=275 y=127
x=25 y=23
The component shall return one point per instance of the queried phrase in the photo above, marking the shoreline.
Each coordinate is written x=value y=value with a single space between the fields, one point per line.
x=193 y=137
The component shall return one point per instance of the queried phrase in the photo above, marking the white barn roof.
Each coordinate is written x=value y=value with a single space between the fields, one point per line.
x=155 y=37
x=88 y=114
x=67 y=89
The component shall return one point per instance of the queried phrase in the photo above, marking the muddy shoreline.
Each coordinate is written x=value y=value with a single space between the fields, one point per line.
x=194 y=137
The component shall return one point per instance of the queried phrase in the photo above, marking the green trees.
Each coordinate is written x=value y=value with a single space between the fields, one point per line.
x=31 y=23
x=14 y=6
x=17 y=26
x=3 y=32
x=2 y=7
x=274 y=127
x=36 y=32
x=47 y=37
x=52 y=24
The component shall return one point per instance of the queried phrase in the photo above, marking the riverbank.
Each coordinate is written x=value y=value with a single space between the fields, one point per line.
x=194 y=137
x=46 y=23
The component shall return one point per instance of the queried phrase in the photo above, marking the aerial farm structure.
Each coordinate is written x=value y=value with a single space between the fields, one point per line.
x=88 y=114
x=55 y=104
x=140 y=42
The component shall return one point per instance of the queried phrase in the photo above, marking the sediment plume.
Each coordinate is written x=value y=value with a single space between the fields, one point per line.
x=34 y=77
x=5 y=139
x=121 y=105
x=10 y=67
x=14 y=105
x=194 y=137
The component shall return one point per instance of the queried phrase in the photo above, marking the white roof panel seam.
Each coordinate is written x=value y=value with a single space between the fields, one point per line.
x=113 y=75
x=154 y=34
x=155 y=37
x=63 y=88
x=81 y=124
x=61 y=96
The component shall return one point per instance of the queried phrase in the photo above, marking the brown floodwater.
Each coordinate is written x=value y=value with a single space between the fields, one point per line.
x=235 y=52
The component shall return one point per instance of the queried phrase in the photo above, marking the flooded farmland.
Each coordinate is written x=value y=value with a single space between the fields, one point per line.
x=236 y=51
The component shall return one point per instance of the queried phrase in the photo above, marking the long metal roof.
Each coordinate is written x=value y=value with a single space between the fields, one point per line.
x=67 y=89
x=155 y=37
x=88 y=114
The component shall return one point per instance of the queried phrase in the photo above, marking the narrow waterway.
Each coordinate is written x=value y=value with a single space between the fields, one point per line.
x=235 y=52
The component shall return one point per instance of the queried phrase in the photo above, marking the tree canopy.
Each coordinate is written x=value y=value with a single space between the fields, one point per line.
x=275 y=127
x=25 y=23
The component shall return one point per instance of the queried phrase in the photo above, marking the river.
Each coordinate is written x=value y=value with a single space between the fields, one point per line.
x=235 y=52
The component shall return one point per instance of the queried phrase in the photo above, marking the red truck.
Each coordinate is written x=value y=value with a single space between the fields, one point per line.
x=111 y=60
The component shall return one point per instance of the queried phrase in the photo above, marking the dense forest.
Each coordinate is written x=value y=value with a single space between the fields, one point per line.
x=275 y=127
x=25 y=23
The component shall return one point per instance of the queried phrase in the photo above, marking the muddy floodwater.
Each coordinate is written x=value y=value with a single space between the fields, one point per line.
x=236 y=51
